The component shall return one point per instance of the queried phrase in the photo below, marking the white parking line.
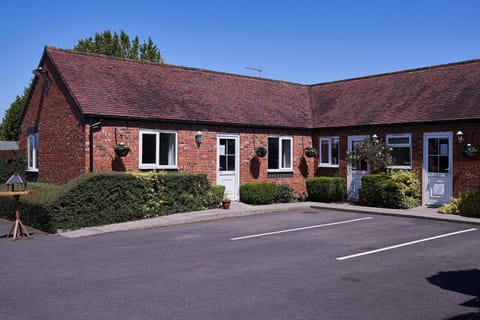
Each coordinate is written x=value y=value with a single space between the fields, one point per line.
x=404 y=244
x=298 y=229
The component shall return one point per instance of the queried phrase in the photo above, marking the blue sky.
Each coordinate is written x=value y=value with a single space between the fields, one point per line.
x=292 y=40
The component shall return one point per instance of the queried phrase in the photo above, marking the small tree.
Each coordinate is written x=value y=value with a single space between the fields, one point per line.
x=374 y=151
x=120 y=46
x=9 y=125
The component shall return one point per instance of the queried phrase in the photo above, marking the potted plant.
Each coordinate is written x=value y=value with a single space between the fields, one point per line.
x=261 y=152
x=311 y=152
x=226 y=202
x=122 y=149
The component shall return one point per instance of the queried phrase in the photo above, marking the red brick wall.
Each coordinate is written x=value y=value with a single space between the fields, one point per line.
x=466 y=171
x=61 y=137
x=202 y=159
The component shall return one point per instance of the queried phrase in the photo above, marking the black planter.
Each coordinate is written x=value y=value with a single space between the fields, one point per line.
x=122 y=150
x=261 y=152
x=311 y=152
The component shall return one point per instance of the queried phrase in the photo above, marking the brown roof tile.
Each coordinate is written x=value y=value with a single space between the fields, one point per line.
x=126 y=88
x=445 y=92
x=109 y=86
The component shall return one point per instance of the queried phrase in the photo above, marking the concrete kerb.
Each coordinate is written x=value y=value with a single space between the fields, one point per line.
x=416 y=213
x=239 y=209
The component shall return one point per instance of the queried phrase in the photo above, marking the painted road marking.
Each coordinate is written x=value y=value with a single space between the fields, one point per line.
x=404 y=244
x=298 y=229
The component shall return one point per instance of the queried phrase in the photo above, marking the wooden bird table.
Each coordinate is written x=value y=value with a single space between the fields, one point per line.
x=18 y=228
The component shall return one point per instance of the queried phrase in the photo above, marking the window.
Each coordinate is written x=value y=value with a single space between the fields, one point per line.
x=158 y=149
x=401 y=150
x=33 y=151
x=279 y=153
x=329 y=150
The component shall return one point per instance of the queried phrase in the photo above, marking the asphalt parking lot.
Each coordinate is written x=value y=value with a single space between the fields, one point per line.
x=302 y=264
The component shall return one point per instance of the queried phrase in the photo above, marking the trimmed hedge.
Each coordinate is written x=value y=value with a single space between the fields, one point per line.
x=258 y=192
x=326 y=189
x=103 y=198
x=398 y=189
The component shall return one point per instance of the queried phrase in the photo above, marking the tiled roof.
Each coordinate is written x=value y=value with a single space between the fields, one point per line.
x=126 y=88
x=107 y=86
x=445 y=92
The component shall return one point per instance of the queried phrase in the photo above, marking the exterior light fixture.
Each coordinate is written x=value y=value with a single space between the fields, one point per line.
x=459 y=135
x=375 y=137
x=198 y=138
x=39 y=72
x=47 y=83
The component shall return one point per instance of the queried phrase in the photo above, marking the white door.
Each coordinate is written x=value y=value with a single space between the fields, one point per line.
x=437 y=168
x=228 y=164
x=356 y=170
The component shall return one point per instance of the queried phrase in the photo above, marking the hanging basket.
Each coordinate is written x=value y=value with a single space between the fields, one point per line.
x=261 y=152
x=311 y=152
x=470 y=150
x=122 y=150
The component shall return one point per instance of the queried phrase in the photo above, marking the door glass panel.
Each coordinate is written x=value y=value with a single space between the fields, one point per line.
x=227 y=154
x=438 y=155
x=359 y=165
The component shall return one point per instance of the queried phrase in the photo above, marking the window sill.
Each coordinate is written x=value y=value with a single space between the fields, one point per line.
x=158 y=168
x=400 y=167
x=328 y=166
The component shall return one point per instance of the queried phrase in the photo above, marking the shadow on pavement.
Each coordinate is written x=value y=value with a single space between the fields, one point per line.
x=463 y=281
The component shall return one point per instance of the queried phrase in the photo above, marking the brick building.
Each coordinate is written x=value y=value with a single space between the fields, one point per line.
x=189 y=120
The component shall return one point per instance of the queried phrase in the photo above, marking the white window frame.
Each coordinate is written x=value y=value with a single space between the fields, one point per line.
x=156 y=165
x=330 y=142
x=280 y=152
x=400 y=145
x=33 y=155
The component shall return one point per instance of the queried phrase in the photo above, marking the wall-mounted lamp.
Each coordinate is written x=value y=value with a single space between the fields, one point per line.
x=198 y=138
x=459 y=135
x=40 y=72
x=374 y=137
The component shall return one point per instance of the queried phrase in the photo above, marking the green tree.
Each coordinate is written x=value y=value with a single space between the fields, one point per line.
x=120 y=45
x=9 y=125
x=375 y=152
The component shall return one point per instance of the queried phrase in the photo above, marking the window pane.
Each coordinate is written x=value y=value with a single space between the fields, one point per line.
x=167 y=149
x=401 y=156
x=273 y=153
x=335 y=148
x=398 y=140
x=286 y=154
x=443 y=165
x=231 y=146
x=231 y=163
x=149 y=148
x=324 y=151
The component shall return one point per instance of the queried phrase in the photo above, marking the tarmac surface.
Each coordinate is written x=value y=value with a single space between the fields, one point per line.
x=239 y=209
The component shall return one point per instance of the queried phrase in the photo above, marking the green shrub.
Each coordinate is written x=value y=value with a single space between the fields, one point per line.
x=395 y=189
x=216 y=195
x=104 y=198
x=168 y=193
x=285 y=193
x=326 y=189
x=258 y=192
x=468 y=204
x=450 y=208
x=13 y=165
